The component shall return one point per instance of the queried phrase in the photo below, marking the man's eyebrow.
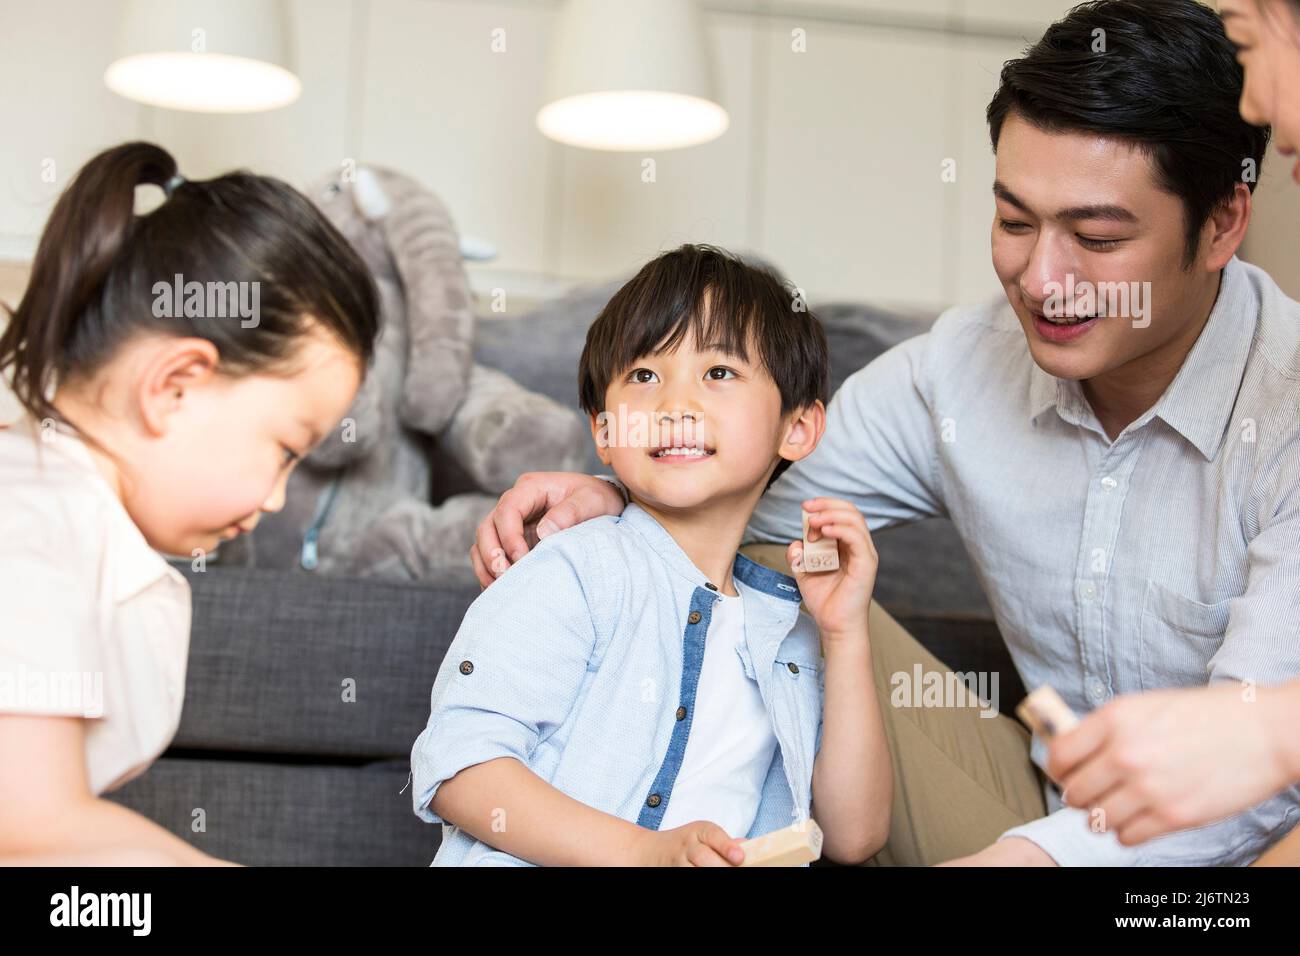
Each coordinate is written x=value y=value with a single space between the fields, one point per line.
x=1006 y=195
x=1108 y=211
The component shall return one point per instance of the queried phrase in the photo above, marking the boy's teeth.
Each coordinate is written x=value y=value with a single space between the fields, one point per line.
x=698 y=452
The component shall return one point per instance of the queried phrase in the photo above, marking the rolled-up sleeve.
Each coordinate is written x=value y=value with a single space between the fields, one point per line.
x=513 y=671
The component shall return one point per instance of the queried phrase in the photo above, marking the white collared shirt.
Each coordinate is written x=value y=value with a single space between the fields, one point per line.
x=93 y=622
x=1166 y=557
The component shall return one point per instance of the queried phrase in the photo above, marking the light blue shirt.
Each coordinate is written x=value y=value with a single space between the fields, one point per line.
x=582 y=662
x=1169 y=557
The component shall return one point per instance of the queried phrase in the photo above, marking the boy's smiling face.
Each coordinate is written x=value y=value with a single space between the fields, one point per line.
x=724 y=408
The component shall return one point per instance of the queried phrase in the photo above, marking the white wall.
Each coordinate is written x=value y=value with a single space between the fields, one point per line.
x=831 y=166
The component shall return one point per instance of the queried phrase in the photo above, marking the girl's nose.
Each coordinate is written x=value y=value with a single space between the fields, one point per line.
x=276 y=501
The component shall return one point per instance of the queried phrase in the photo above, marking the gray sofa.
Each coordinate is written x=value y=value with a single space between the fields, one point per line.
x=304 y=694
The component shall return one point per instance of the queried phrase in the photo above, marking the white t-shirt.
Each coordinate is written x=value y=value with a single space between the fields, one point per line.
x=731 y=743
x=93 y=622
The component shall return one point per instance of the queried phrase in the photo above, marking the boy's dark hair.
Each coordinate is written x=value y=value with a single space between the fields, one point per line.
x=1168 y=81
x=93 y=276
x=727 y=304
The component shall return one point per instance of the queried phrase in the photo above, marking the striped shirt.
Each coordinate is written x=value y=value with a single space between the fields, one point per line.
x=1169 y=557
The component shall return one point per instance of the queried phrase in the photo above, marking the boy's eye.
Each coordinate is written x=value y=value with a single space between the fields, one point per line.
x=724 y=370
x=290 y=456
x=636 y=375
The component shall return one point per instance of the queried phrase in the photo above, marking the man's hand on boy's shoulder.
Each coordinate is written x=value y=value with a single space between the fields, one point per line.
x=540 y=503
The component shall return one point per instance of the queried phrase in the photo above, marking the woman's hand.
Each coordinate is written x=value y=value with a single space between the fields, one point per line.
x=838 y=600
x=1171 y=759
x=700 y=843
x=540 y=503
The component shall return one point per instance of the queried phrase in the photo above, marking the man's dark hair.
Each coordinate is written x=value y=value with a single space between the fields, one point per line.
x=1168 y=81
x=726 y=304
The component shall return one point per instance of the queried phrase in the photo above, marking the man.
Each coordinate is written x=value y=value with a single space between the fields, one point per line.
x=1115 y=440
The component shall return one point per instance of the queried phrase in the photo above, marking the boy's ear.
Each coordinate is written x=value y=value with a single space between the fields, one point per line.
x=169 y=368
x=600 y=435
x=803 y=432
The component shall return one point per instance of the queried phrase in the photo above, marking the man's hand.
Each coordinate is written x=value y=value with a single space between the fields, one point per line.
x=540 y=503
x=1171 y=759
x=1013 y=851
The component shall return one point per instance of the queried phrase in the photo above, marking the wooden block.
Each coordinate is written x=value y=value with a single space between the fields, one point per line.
x=820 y=555
x=1046 y=714
x=797 y=844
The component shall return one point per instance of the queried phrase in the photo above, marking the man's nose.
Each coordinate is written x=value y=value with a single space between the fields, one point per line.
x=1046 y=271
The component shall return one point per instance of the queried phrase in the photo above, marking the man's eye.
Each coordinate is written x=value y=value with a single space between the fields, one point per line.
x=636 y=375
x=1011 y=226
x=1099 y=245
x=721 y=368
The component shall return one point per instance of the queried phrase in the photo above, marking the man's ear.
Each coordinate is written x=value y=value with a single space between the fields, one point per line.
x=600 y=435
x=1226 y=228
x=803 y=431
x=169 y=370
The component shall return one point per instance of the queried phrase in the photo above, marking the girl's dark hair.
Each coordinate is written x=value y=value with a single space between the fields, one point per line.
x=727 y=304
x=1168 y=81
x=92 y=281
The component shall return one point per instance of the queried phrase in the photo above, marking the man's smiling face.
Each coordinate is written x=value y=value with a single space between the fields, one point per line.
x=1074 y=209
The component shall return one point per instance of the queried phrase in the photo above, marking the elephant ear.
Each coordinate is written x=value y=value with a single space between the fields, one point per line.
x=425 y=251
x=348 y=207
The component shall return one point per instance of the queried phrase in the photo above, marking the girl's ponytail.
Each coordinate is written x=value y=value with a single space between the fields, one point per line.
x=90 y=224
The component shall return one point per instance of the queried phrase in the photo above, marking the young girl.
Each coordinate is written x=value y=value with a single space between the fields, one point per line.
x=154 y=422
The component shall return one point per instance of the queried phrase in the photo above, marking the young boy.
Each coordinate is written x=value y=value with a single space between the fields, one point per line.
x=634 y=691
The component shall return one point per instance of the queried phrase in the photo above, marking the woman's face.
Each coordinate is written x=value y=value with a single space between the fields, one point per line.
x=1267 y=36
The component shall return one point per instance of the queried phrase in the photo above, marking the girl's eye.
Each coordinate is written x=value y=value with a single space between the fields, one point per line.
x=635 y=376
x=1099 y=245
x=723 y=369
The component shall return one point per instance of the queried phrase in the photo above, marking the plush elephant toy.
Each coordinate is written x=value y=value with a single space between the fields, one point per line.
x=359 y=504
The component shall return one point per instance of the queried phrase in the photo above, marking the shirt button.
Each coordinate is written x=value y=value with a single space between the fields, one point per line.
x=794 y=668
x=694 y=617
x=711 y=587
x=681 y=713
x=466 y=668
x=1108 y=482
x=654 y=800
x=1096 y=688
x=1089 y=591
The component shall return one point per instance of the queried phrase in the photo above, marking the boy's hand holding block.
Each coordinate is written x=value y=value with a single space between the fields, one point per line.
x=820 y=555
x=1045 y=713
x=797 y=844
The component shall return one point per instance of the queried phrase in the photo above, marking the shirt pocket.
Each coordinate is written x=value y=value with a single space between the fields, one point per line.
x=1179 y=636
